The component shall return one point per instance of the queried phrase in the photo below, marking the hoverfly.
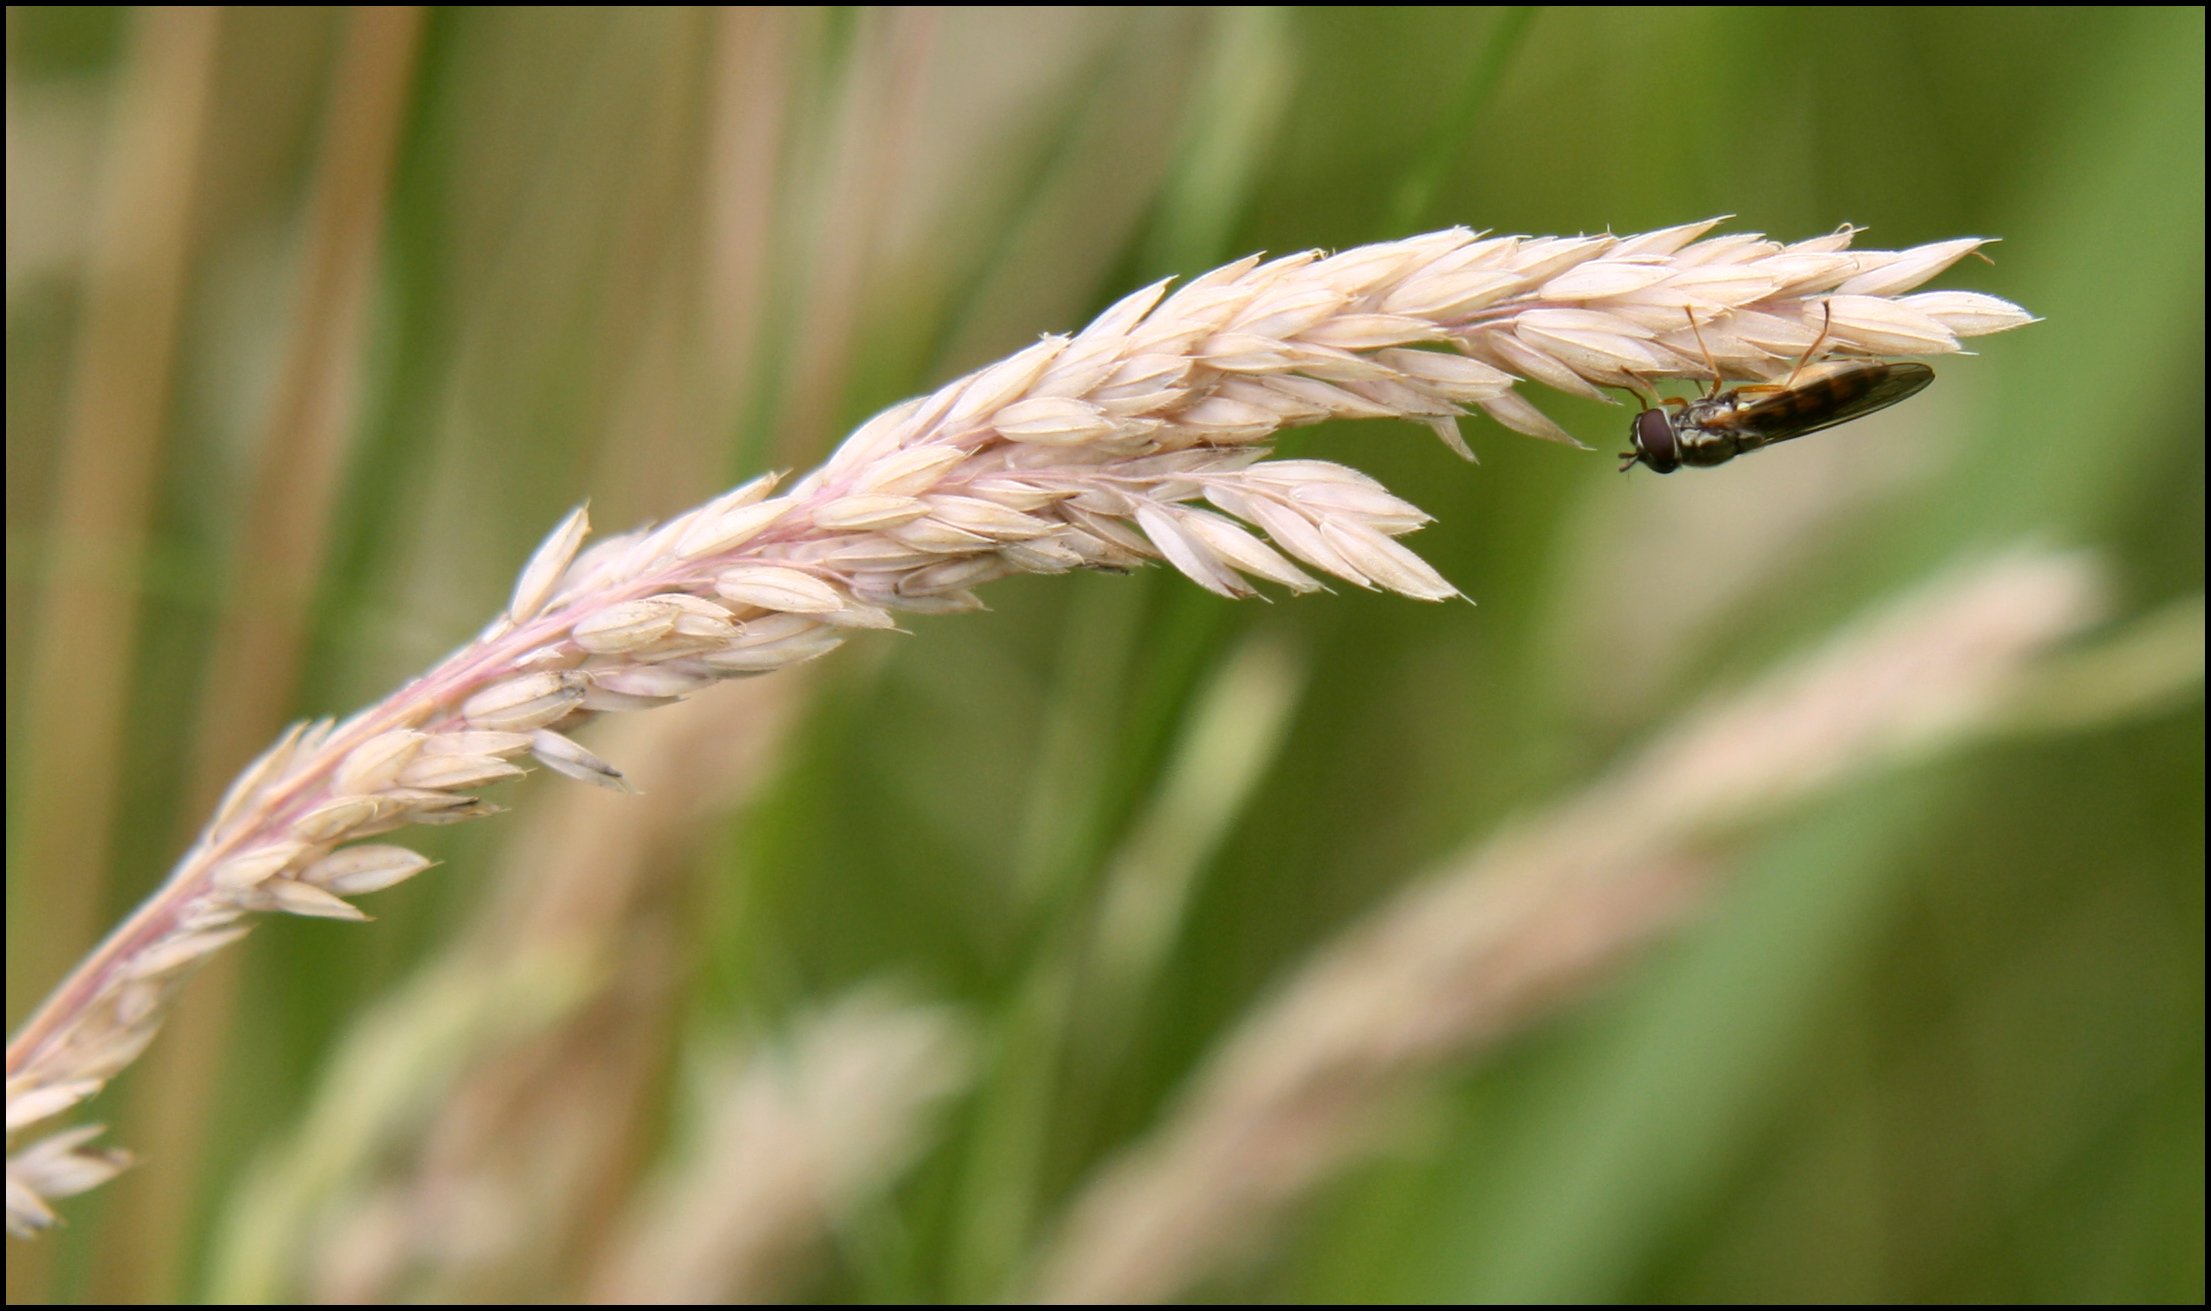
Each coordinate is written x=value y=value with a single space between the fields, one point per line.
x=1718 y=426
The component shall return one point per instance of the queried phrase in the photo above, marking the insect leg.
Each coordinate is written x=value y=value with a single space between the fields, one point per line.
x=1827 y=309
x=1709 y=362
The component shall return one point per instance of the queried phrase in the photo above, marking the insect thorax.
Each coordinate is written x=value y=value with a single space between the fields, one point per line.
x=1705 y=432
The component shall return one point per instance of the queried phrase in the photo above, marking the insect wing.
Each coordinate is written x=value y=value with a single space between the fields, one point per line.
x=1812 y=407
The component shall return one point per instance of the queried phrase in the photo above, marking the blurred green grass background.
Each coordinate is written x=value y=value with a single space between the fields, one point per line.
x=317 y=319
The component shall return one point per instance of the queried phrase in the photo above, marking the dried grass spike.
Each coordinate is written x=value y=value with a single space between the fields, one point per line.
x=1097 y=449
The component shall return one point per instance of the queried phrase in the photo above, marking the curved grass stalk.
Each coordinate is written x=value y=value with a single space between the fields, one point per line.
x=1141 y=437
x=1506 y=933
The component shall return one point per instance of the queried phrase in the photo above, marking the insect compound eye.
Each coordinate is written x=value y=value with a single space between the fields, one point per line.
x=1653 y=435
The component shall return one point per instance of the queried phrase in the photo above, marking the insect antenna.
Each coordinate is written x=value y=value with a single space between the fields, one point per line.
x=1648 y=401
